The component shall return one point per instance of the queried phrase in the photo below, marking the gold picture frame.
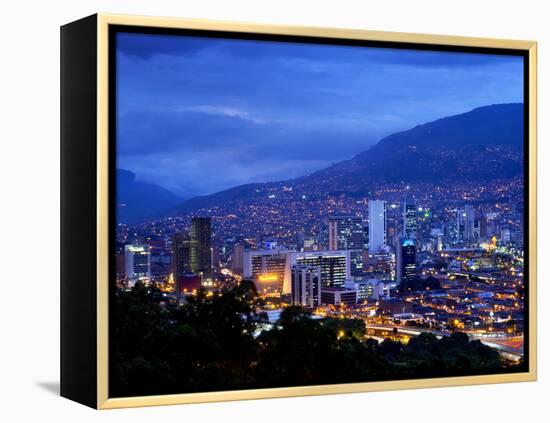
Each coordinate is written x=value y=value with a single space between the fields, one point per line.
x=102 y=24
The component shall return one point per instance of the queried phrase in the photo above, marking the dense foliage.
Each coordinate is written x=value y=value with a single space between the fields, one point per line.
x=209 y=344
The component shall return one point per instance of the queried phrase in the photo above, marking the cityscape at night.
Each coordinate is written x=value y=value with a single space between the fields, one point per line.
x=389 y=250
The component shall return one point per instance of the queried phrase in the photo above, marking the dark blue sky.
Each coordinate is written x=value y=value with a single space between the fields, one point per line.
x=198 y=115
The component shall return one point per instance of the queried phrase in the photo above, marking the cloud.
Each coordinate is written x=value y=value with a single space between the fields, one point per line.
x=196 y=114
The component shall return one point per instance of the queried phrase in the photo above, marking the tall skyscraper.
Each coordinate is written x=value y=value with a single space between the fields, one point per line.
x=306 y=286
x=346 y=233
x=464 y=230
x=201 y=233
x=377 y=225
x=183 y=248
x=406 y=261
x=192 y=253
x=137 y=260
x=469 y=224
x=409 y=219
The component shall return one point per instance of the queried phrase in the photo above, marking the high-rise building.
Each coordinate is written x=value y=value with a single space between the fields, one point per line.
x=306 y=286
x=377 y=225
x=463 y=231
x=469 y=224
x=137 y=261
x=201 y=233
x=269 y=269
x=409 y=219
x=335 y=265
x=406 y=261
x=237 y=259
x=183 y=248
x=346 y=233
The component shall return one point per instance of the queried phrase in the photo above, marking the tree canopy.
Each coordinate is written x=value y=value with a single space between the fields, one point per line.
x=211 y=343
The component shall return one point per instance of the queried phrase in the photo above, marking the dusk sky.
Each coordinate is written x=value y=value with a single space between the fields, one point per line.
x=198 y=115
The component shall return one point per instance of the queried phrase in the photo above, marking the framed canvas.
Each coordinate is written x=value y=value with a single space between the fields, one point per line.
x=256 y=211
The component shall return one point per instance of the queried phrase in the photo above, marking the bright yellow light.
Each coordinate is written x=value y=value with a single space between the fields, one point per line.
x=268 y=278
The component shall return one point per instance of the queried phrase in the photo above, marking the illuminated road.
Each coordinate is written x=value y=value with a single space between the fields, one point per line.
x=510 y=348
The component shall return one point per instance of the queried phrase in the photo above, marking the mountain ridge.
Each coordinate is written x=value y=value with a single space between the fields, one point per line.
x=137 y=201
x=482 y=144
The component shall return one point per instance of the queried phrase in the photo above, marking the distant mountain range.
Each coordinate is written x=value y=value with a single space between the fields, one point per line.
x=481 y=145
x=137 y=201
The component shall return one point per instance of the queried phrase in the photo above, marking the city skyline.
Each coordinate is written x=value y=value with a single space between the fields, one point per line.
x=369 y=261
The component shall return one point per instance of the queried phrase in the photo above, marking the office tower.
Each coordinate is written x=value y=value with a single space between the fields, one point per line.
x=183 y=248
x=409 y=219
x=469 y=220
x=268 y=270
x=406 y=261
x=201 y=234
x=464 y=230
x=306 y=286
x=137 y=260
x=346 y=233
x=335 y=265
x=237 y=259
x=377 y=225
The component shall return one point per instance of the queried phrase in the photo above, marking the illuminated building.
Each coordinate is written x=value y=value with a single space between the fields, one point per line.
x=183 y=248
x=309 y=244
x=338 y=296
x=409 y=220
x=365 y=237
x=469 y=224
x=381 y=263
x=193 y=252
x=346 y=233
x=406 y=261
x=439 y=242
x=335 y=265
x=369 y=289
x=269 y=269
x=463 y=231
x=137 y=261
x=377 y=225
x=306 y=286
x=201 y=234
